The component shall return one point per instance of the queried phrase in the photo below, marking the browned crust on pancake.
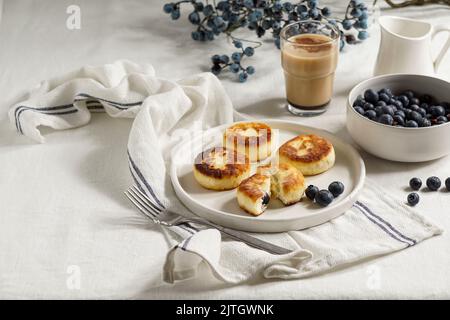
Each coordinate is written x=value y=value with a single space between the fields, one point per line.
x=321 y=148
x=233 y=136
x=293 y=179
x=236 y=164
x=251 y=186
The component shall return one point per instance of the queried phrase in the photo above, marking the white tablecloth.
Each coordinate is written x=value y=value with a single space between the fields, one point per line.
x=67 y=231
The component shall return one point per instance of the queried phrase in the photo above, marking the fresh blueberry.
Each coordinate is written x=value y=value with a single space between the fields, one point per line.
x=367 y=106
x=400 y=113
x=414 y=107
x=415 y=183
x=386 y=119
x=249 y=51
x=415 y=116
x=411 y=124
x=194 y=17
x=324 y=198
x=413 y=199
x=437 y=111
x=379 y=111
x=224 y=59
x=422 y=112
x=168 y=7
x=399 y=120
x=234 y=67
x=384 y=97
x=424 y=105
x=414 y=101
x=397 y=103
x=250 y=70
x=447 y=184
x=237 y=44
x=442 y=119
x=359 y=109
x=215 y=59
x=371 y=96
x=216 y=69
x=347 y=24
x=336 y=188
x=404 y=100
x=386 y=91
x=426 y=98
x=265 y=199
x=371 y=114
x=409 y=94
x=433 y=183
x=381 y=104
x=175 y=14
x=243 y=77
x=359 y=101
x=388 y=110
x=236 y=56
x=311 y=192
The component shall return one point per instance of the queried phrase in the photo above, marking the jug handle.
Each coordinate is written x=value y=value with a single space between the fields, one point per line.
x=439 y=29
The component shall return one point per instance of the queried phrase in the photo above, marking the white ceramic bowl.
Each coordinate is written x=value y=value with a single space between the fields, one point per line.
x=399 y=143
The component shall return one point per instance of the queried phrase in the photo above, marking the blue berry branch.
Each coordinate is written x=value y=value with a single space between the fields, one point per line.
x=262 y=17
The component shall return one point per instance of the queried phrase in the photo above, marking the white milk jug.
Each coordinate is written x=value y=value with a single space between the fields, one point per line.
x=405 y=46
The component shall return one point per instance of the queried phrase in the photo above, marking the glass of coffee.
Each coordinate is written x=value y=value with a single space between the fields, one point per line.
x=309 y=56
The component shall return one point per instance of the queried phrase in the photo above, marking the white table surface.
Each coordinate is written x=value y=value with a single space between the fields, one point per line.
x=61 y=203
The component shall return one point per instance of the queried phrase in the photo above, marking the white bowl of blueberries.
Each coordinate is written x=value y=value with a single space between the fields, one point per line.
x=401 y=117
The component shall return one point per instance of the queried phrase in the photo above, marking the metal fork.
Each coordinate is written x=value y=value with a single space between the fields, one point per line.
x=167 y=218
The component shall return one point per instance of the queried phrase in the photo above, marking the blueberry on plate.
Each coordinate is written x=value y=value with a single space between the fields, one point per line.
x=415 y=183
x=381 y=104
x=433 y=183
x=336 y=188
x=447 y=184
x=324 y=198
x=311 y=192
x=371 y=96
x=386 y=119
x=411 y=124
x=413 y=199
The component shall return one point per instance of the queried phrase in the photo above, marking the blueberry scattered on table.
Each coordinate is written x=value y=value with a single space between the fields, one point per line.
x=407 y=109
x=413 y=199
x=433 y=183
x=447 y=184
x=415 y=183
x=324 y=198
x=311 y=192
x=336 y=188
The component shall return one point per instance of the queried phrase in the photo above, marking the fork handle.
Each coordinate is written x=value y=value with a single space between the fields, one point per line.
x=250 y=240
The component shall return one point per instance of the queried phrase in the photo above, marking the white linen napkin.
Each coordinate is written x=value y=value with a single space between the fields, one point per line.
x=165 y=112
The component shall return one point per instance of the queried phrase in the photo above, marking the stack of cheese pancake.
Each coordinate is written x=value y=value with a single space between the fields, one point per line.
x=229 y=167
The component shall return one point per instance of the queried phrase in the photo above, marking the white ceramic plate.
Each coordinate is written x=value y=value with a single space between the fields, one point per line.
x=222 y=208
